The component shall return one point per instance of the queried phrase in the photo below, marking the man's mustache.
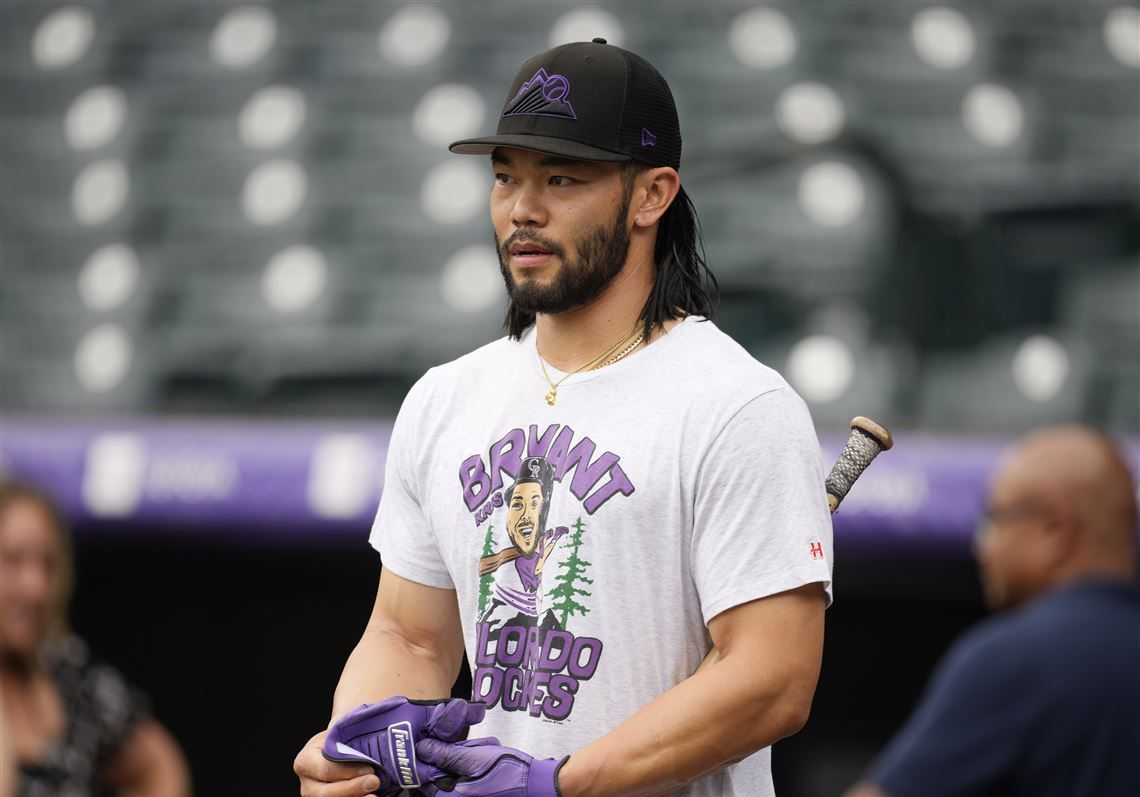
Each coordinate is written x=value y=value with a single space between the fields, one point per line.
x=527 y=235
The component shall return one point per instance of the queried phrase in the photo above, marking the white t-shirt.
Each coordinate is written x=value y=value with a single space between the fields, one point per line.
x=610 y=528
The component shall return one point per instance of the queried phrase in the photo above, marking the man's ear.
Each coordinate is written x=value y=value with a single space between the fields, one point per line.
x=1060 y=535
x=659 y=187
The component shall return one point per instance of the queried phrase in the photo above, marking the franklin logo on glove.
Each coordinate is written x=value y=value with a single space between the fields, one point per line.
x=403 y=749
x=385 y=734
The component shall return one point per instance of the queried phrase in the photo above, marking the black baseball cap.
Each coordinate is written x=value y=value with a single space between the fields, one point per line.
x=588 y=101
x=535 y=470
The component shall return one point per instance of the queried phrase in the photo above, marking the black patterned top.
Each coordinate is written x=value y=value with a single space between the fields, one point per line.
x=101 y=711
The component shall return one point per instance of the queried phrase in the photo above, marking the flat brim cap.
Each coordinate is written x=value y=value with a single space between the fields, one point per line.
x=587 y=101
x=547 y=145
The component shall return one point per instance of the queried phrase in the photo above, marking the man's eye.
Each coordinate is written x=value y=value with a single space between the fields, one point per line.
x=502 y=179
x=561 y=180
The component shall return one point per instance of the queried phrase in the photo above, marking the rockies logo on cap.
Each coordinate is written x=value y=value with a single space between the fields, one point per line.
x=536 y=470
x=542 y=95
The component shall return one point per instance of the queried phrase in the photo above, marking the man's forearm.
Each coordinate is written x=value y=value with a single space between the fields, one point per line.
x=385 y=663
x=759 y=692
x=697 y=727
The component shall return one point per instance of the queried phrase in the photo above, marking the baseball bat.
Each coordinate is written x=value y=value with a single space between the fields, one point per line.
x=866 y=441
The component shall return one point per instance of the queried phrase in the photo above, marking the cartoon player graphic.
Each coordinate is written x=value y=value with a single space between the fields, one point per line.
x=518 y=589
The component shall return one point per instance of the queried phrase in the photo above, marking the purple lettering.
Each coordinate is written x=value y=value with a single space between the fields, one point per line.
x=506 y=455
x=488 y=509
x=555 y=650
x=476 y=483
x=505 y=654
x=558 y=450
x=592 y=648
x=586 y=474
x=536 y=686
x=483 y=653
x=538 y=446
x=513 y=689
x=560 y=697
x=530 y=658
x=618 y=483
x=487 y=686
x=535 y=682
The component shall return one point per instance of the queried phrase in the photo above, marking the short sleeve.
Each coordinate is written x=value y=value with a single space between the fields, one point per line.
x=761 y=522
x=967 y=726
x=402 y=531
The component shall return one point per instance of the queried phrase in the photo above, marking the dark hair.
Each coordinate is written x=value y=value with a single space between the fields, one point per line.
x=13 y=492
x=545 y=482
x=683 y=284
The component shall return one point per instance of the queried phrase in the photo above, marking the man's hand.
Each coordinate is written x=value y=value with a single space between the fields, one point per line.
x=323 y=778
x=382 y=737
x=487 y=769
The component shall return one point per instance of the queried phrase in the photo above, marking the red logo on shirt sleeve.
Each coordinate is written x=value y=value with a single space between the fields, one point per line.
x=816 y=549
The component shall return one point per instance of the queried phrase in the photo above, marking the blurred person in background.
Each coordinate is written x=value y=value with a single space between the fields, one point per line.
x=70 y=726
x=1043 y=699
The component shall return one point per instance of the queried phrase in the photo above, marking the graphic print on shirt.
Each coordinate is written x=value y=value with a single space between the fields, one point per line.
x=533 y=577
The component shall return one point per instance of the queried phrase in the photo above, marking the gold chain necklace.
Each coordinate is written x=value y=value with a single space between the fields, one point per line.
x=598 y=362
x=633 y=344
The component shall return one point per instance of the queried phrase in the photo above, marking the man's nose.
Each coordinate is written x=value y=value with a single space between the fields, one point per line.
x=528 y=209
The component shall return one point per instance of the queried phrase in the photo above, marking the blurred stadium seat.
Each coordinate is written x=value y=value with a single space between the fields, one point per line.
x=1009 y=384
x=833 y=150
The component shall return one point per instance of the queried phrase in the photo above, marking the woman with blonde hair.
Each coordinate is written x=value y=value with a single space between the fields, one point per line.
x=70 y=726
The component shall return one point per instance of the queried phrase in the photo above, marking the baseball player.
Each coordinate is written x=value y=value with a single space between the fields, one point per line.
x=589 y=504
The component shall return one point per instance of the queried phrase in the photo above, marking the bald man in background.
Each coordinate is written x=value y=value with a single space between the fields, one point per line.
x=1043 y=699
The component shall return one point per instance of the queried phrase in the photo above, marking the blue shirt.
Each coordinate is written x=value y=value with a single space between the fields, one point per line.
x=1042 y=701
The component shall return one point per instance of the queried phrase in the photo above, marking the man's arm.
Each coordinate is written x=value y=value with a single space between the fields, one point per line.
x=758 y=692
x=149 y=764
x=412 y=646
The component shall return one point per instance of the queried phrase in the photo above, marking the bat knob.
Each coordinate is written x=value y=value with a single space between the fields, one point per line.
x=877 y=431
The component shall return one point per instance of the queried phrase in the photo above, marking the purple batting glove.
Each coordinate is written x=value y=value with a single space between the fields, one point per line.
x=385 y=734
x=489 y=770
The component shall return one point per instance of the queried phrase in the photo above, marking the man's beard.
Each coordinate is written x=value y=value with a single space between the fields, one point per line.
x=601 y=257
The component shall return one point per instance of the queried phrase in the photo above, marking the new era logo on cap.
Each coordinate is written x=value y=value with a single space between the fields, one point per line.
x=647 y=138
